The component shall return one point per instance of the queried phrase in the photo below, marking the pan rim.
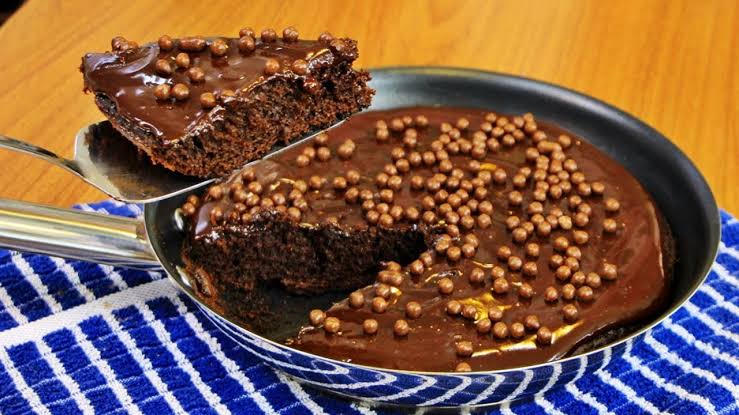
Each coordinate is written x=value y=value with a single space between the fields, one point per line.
x=592 y=104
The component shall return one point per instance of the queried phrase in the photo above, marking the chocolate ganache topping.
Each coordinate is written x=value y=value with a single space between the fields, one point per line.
x=535 y=241
x=169 y=87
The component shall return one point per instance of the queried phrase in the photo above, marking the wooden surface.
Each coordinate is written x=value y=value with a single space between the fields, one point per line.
x=674 y=64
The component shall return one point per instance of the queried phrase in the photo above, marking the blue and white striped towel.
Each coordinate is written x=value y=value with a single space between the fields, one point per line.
x=80 y=337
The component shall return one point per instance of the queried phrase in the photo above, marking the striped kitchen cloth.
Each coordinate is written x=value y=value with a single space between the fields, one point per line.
x=81 y=337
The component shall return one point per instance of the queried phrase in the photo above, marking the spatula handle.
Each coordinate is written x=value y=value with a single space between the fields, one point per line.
x=74 y=234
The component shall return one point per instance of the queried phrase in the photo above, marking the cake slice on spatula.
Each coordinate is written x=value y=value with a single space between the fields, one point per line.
x=206 y=106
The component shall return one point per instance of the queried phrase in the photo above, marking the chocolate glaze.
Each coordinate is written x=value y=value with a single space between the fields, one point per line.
x=129 y=78
x=430 y=346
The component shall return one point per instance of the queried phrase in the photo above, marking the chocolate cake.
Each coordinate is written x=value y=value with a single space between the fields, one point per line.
x=206 y=106
x=464 y=240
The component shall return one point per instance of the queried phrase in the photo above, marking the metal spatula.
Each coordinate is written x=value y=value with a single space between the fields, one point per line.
x=108 y=161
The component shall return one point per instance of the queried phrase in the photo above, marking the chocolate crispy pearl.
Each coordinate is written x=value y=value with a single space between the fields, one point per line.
x=455 y=308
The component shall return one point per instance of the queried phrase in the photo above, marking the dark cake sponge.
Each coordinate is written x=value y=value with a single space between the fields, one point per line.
x=204 y=107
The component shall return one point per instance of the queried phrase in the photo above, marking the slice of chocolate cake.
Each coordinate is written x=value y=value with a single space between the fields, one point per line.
x=206 y=106
x=471 y=241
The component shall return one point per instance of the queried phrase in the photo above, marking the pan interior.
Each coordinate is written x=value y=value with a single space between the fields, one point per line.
x=675 y=184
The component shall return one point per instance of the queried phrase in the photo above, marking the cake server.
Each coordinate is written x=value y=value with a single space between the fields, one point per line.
x=106 y=160
x=109 y=162
x=155 y=240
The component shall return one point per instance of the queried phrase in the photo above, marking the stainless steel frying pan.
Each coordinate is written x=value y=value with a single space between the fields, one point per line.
x=155 y=240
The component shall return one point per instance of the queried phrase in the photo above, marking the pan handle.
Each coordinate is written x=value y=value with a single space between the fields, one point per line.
x=74 y=234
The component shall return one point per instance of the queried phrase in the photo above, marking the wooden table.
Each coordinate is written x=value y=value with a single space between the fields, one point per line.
x=674 y=64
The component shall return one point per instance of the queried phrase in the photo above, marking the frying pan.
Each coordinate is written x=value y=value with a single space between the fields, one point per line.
x=675 y=184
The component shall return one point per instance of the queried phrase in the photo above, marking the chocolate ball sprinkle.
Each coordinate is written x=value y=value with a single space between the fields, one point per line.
x=372 y=217
x=469 y=312
x=477 y=275
x=592 y=279
x=585 y=209
x=581 y=219
x=512 y=222
x=574 y=252
x=544 y=336
x=598 y=188
x=578 y=278
x=495 y=314
x=163 y=67
x=299 y=67
x=370 y=326
x=463 y=367
x=532 y=250
x=216 y=215
x=608 y=271
x=316 y=317
x=517 y=330
x=501 y=286
x=379 y=305
x=268 y=35
x=356 y=299
x=323 y=153
x=580 y=237
x=181 y=92
x=401 y=328
x=610 y=225
x=339 y=183
x=484 y=221
x=218 y=47
x=570 y=312
x=290 y=34
x=165 y=43
x=497 y=272
x=413 y=310
x=568 y=292
x=196 y=74
x=520 y=235
x=207 y=100
x=560 y=243
x=531 y=322
x=483 y=325
x=504 y=253
x=453 y=307
x=585 y=293
x=325 y=37
x=525 y=291
x=162 y=92
x=551 y=294
x=302 y=160
x=500 y=330
x=563 y=272
x=332 y=325
x=612 y=205
x=468 y=251
x=572 y=263
x=271 y=66
x=446 y=286
x=246 y=44
x=464 y=348
x=530 y=269
x=247 y=31
x=514 y=263
x=188 y=209
x=294 y=214
x=182 y=60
